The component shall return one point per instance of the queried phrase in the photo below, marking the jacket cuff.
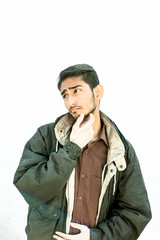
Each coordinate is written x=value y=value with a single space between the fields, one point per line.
x=72 y=149
x=95 y=234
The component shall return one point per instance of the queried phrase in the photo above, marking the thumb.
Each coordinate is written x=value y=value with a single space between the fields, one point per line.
x=91 y=118
x=79 y=120
x=78 y=226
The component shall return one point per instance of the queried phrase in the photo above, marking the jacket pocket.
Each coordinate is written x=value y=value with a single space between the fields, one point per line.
x=50 y=210
x=43 y=219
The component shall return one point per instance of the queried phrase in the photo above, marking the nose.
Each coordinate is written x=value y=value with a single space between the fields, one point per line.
x=71 y=102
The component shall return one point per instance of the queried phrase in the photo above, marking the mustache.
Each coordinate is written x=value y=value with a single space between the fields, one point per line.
x=75 y=107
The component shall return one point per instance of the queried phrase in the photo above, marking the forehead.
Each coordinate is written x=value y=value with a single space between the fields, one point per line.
x=72 y=82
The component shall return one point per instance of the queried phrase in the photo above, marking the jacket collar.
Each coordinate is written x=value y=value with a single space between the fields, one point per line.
x=63 y=128
x=116 y=147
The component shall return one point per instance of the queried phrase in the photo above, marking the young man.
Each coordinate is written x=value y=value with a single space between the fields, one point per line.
x=79 y=175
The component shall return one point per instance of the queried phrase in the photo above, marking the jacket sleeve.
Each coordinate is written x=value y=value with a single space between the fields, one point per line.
x=131 y=209
x=41 y=176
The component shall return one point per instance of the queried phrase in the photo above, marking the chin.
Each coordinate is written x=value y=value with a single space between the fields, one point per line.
x=75 y=115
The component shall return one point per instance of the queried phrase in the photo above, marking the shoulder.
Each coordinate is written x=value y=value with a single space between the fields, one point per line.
x=48 y=129
x=129 y=150
x=130 y=153
x=44 y=139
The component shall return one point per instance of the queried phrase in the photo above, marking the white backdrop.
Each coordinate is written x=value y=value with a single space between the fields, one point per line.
x=120 y=39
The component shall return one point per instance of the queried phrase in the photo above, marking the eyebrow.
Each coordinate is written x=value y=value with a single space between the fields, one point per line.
x=70 y=88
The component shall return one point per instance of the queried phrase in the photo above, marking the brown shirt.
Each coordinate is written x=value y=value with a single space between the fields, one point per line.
x=88 y=174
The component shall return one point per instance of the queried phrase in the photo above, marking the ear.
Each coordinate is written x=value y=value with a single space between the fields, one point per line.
x=99 y=91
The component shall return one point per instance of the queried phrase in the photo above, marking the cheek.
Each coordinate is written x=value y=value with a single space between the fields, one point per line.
x=65 y=104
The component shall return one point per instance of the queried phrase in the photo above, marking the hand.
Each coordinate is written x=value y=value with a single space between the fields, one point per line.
x=83 y=235
x=82 y=135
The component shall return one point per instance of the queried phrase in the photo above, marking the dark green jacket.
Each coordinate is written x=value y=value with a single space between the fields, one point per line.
x=45 y=178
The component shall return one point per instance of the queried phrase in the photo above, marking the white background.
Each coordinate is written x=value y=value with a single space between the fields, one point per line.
x=120 y=39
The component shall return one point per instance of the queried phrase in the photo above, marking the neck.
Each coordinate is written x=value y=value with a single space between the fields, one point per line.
x=96 y=125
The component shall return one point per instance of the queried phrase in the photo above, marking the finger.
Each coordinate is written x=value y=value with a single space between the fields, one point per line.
x=78 y=226
x=60 y=235
x=91 y=117
x=79 y=120
x=90 y=121
x=57 y=237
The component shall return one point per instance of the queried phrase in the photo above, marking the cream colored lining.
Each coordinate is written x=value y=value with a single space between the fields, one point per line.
x=70 y=199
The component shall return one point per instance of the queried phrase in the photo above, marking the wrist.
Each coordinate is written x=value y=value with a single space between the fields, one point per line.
x=72 y=149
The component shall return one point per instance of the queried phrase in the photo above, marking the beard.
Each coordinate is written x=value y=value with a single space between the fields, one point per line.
x=92 y=107
x=87 y=116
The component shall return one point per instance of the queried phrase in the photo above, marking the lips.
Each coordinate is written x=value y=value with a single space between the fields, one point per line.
x=74 y=109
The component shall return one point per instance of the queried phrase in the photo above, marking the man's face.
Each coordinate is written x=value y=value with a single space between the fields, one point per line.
x=78 y=97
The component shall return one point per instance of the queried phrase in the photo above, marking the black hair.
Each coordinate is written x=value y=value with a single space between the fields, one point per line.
x=87 y=72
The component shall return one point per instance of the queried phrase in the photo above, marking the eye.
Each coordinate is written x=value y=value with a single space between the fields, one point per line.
x=76 y=90
x=65 y=96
